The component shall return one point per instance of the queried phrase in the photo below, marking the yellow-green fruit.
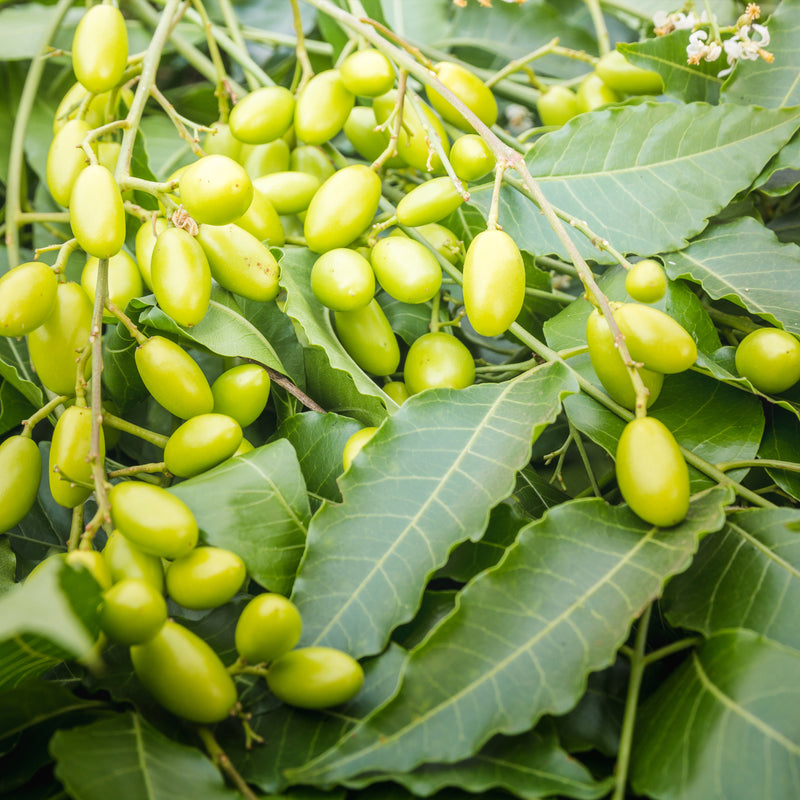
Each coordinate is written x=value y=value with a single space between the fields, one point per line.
x=184 y=675
x=471 y=157
x=368 y=142
x=180 y=276
x=126 y=560
x=770 y=359
x=264 y=159
x=205 y=578
x=289 y=192
x=221 y=142
x=443 y=240
x=438 y=360
x=244 y=447
x=242 y=393
x=494 y=282
x=342 y=279
x=215 y=190
x=354 y=445
x=342 y=209
x=200 y=443
x=132 y=612
x=367 y=73
x=622 y=76
x=593 y=93
x=27 y=298
x=54 y=346
x=651 y=472
x=646 y=281
x=145 y=243
x=262 y=221
x=69 y=457
x=429 y=202
x=263 y=115
x=312 y=159
x=108 y=153
x=268 y=627
x=96 y=213
x=397 y=390
x=406 y=269
x=468 y=88
x=97 y=109
x=124 y=281
x=66 y=159
x=655 y=338
x=239 y=262
x=20 y=472
x=557 y=106
x=368 y=338
x=322 y=108
x=100 y=48
x=92 y=561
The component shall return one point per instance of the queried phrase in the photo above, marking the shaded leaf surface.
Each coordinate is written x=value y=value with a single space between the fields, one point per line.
x=782 y=442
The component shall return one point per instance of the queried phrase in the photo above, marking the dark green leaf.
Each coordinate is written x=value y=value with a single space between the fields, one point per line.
x=535 y=494
x=15 y=367
x=120 y=375
x=8 y=566
x=782 y=442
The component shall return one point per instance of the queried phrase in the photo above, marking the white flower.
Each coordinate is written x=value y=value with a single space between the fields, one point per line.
x=740 y=45
x=697 y=48
x=666 y=23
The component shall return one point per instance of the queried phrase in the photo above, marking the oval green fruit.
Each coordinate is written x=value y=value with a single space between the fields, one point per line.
x=437 y=360
x=96 y=213
x=124 y=281
x=264 y=159
x=27 y=298
x=289 y=192
x=471 y=157
x=126 y=560
x=200 y=443
x=406 y=269
x=622 y=76
x=360 y=129
x=92 y=561
x=215 y=190
x=429 y=202
x=263 y=115
x=145 y=243
x=651 y=472
x=646 y=281
x=268 y=627
x=20 y=473
x=242 y=392
x=184 y=675
x=469 y=89
x=100 y=48
x=443 y=240
x=557 y=105
x=220 y=141
x=367 y=73
x=132 y=612
x=342 y=279
x=654 y=338
x=368 y=338
x=262 y=221
x=593 y=93
x=322 y=108
x=770 y=359
x=69 y=457
x=397 y=390
x=355 y=443
x=205 y=578
x=313 y=160
x=66 y=159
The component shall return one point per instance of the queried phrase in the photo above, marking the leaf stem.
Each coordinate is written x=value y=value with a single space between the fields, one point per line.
x=603 y=42
x=307 y=71
x=44 y=412
x=675 y=647
x=517 y=63
x=138 y=469
x=123 y=425
x=766 y=463
x=223 y=763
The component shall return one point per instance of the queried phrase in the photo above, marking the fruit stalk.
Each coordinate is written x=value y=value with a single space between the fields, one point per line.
x=220 y=758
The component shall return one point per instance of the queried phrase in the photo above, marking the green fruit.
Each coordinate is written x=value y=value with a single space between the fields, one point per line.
x=95 y=112
x=438 y=360
x=239 y=262
x=262 y=221
x=124 y=281
x=100 y=48
x=92 y=561
x=615 y=71
x=367 y=73
x=471 y=157
x=173 y=378
x=96 y=213
x=646 y=281
x=406 y=269
x=244 y=447
x=268 y=627
x=184 y=675
x=108 y=154
x=313 y=160
x=429 y=202
x=205 y=578
x=126 y=560
x=153 y=519
x=181 y=276
x=494 y=282
x=27 y=298
x=315 y=677
x=468 y=88
x=54 y=346
x=368 y=142
x=368 y=338
x=770 y=359
x=611 y=369
x=146 y=237
x=342 y=209
x=220 y=141
x=69 y=457
x=322 y=108
x=289 y=192
x=242 y=393
x=263 y=115
x=443 y=240
x=354 y=445
x=264 y=159
x=557 y=105
x=342 y=279
x=20 y=473
x=651 y=472
x=215 y=190
x=133 y=612
x=397 y=390
x=66 y=159
x=593 y=93
x=654 y=338
x=200 y=443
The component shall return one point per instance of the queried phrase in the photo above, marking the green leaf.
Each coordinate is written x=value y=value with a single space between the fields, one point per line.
x=425 y=482
x=127 y=759
x=14 y=407
x=120 y=375
x=782 y=442
x=535 y=494
x=408 y=320
x=255 y=505
x=745 y=576
x=726 y=724
x=645 y=177
x=726 y=260
x=781 y=175
x=15 y=368
x=22 y=27
x=8 y=566
x=524 y=636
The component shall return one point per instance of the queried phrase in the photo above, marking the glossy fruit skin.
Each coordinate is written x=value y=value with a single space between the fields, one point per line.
x=264 y=159
x=443 y=240
x=69 y=452
x=342 y=208
x=54 y=345
x=406 y=269
x=654 y=338
x=66 y=159
x=557 y=105
x=205 y=578
x=262 y=221
x=354 y=445
x=368 y=338
x=438 y=360
x=92 y=561
x=471 y=157
x=184 y=675
x=27 y=298
x=220 y=141
x=20 y=473
x=153 y=519
x=124 y=281
x=289 y=192
x=367 y=73
x=100 y=48
x=145 y=244
x=268 y=627
x=242 y=392
x=397 y=390
x=429 y=202
x=239 y=262
x=322 y=108
x=610 y=368
x=200 y=443
x=96 y=111
x=313 y=160
x=173 y=377
x=96 y=213
x=126 y=560
x=315 y=677
x=622 y=76
x=368 y=142
x=468 y=88
x=181 y=276
x=342 y=279
x=263 y=115
x=651 y=472
x=494 y=282
x=646 y=281
x=770 y=359
x=132 y=612
x=593 y=93
x=215 y=190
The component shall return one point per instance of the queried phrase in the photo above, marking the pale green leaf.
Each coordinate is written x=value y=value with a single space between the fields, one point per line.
x=781 y=175
x=15 y=367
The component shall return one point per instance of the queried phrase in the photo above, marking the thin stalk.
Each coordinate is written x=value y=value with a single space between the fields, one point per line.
x=75 y=528
x=180 y=122
x=494 y=207
x=96 y=340
x=670 y=649
x=518 y=63
x=284 y=39
x=307 y=71
x=735 y=321
x=397 y=118
x=45 y=411
x=603 y=41
x=766 y=463
x=585 y=459
x=223 y=763
x=235 y=30
x=220 y=92
x=138 y=469
x=123 y=425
